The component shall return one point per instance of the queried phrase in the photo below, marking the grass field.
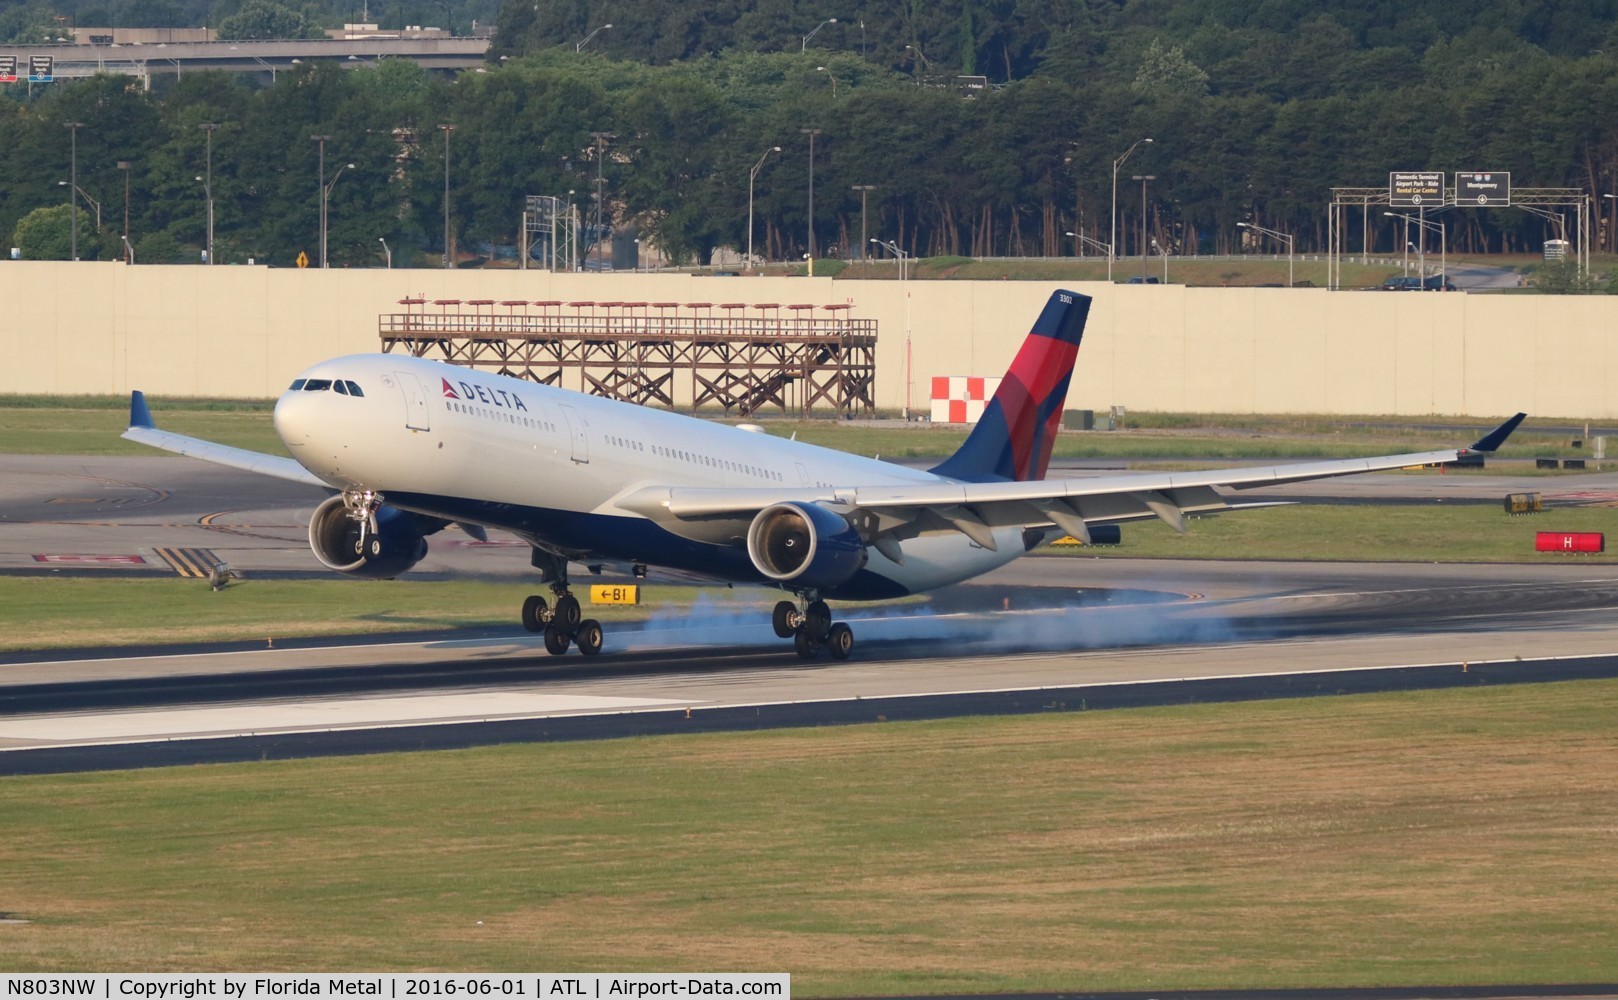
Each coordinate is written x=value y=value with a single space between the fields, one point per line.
x=1430 y=838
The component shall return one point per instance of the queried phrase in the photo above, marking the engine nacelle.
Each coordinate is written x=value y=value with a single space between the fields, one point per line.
x=804 y=544
x=397 y=544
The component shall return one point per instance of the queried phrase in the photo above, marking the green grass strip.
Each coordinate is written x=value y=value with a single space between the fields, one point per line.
x=1431 y=838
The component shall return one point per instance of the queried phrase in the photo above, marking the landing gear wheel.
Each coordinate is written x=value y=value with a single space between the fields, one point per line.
x=373 y=547
x=533 y=613
x=567 y=613
x=589 y=637
x=817 y=619
x=840 y=640
x=806 y=646
x=782 y=619
x=555 y=640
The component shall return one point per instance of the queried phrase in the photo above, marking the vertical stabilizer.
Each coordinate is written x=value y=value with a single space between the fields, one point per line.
x=1013 y=439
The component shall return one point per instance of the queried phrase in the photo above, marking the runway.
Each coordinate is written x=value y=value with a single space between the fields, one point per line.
x=1079 y=634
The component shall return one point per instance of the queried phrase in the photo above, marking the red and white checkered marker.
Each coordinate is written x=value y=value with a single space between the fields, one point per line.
x=960 y=399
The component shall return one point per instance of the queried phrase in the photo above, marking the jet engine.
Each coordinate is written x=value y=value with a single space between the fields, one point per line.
x=805 y=545
x=347 y=545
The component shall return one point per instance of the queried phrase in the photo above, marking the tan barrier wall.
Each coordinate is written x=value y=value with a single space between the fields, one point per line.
x=247 y=331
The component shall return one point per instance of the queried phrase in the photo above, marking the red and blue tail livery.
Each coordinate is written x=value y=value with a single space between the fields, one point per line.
x=1013 y=440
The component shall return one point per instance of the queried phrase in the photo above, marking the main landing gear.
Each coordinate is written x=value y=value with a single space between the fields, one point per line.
x=563 y=623
x=812 y=628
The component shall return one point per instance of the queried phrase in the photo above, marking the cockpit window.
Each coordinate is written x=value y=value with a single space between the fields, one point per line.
x=339 y=385
x=317 y=385
x=297 y=384
x=353 y=387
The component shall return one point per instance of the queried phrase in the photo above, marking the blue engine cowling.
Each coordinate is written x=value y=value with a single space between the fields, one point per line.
x=398 y=543
x=805 y=545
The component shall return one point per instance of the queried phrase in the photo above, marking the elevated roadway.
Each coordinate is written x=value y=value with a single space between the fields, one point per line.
x=264 y=57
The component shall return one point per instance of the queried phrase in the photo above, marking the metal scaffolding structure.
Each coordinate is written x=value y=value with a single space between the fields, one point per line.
x=1537 y=201
x=739 y=357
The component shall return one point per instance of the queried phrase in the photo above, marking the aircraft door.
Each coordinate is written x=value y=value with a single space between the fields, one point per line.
x=415 y=400
x=576 y=428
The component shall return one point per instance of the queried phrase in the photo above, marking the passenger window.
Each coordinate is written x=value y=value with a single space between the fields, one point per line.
x=297 y=384
x=353 y=387
x=317 y=385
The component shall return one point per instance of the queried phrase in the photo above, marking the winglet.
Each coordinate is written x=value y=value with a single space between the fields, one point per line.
x=139 y=414
x=1497 y=437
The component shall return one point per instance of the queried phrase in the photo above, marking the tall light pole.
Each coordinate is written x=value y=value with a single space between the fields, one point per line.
x=207 y=186
x=86 y=196
x=320 y=190
x=129 y=255
x=1276 y=235
x=822 y=69
x=601 y=157
x=579 y=47
x=449 y=261
x=384 y=241
x=805 y=46
x=1113 y=236
x=863 y=189
x=73 y=192
x=1080 y=240
x=325 y=214
x=1143 y=178
x=904 y=275
x=751 y=175
x=811 y=133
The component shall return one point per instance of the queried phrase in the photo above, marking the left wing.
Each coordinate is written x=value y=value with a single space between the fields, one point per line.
x=143 y=431
x=975 y=509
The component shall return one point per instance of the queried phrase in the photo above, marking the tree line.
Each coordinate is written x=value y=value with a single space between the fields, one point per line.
x=1248 y=124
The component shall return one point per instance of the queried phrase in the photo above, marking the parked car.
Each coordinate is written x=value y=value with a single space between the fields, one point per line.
x=1411 y=283
x=1149 y=279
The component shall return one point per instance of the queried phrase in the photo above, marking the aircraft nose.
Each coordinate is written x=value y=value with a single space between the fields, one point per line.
x=293 y=418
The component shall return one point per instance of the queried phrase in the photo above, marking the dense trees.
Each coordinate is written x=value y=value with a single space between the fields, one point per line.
x=1257 y=111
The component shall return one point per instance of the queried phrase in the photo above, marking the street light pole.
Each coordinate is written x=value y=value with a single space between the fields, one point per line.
x=863 y=189
x=1143 y=178
x=73 y=192
x=805 y=46
x=904 y=276
x=751 y=175
x=320 y=140
x=1080 y=240
x=1443 y=247
x=325 y=205
x=449 y=261
x=580 y=46
x=207 y=187
x=1113 y=236
x=129 y=255
x=384 y=241
x=1279 y=236
x=811 y=133
x=601 y=192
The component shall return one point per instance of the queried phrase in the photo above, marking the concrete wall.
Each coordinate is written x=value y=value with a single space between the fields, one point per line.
x=246 y=331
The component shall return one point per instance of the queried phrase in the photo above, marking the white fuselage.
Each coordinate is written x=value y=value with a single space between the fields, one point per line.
x=553 y=466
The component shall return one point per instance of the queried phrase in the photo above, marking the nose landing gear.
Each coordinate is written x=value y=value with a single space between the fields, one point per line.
x=812 y=628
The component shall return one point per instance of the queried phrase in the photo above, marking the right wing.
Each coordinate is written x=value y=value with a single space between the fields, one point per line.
x=143 y=431
x=894 y=512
